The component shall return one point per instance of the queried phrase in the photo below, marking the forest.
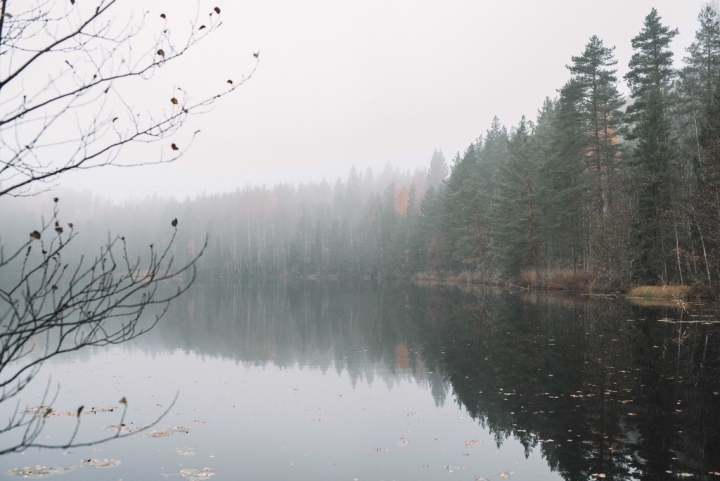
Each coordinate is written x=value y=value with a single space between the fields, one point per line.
x=597 y=192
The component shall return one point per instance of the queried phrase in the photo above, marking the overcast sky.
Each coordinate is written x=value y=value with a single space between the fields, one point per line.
x=370 y=82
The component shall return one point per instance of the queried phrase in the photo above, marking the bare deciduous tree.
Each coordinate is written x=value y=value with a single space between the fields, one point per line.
x=69 y=76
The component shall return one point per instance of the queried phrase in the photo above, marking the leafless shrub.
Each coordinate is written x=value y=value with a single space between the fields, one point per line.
x=70 y=76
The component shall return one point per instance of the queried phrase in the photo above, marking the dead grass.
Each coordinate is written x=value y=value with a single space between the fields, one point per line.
x=660 y=292
x=427 y=277
x=556 y=279
x=463 y=278
x=652 y=302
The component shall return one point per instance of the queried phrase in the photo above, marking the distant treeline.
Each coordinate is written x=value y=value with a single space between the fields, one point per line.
x=598 y=190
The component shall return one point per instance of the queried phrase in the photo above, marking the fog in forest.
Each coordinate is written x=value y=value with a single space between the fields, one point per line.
x=482 y=237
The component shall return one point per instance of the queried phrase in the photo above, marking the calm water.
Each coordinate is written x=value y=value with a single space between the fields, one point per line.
x=368 y=382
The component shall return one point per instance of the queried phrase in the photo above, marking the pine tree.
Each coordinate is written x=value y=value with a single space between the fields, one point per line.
x=703 y=60
x=427 y=241
x=699 y=81
x=598 y=101
x=561 y=142
x=693 y=118
x=461 y=211
x=650 y=80
x=516 y=218
x=389 y=248
x=438 y=171
x=492 y=154
x=406 y=228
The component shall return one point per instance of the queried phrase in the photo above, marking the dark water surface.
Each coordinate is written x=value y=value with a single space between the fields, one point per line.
x=388 y=382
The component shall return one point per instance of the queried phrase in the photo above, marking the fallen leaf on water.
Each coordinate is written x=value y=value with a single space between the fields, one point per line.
x=472 y=442
x=100 y=463
x=504 y=474
x=38 y=471
x=193 y=474
x=187 y=451
x=48 y=412
x=161 y=433
x=123 y=428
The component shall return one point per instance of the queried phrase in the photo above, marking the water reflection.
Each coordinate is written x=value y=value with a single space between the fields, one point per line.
x=600 y=387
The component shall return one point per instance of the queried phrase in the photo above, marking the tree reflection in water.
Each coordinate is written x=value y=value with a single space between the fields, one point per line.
x=601 y=387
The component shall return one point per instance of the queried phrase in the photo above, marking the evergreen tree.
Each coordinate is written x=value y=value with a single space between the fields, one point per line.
x=461 y=211
x=598 y=101
x=491 y=156
x=650 y=79
x=427 y=240
x=516 y=218
x=389 y=248
x=439 y=170
x=561 y=143
x=703 y=60
x=699 y=80
x=406 y=229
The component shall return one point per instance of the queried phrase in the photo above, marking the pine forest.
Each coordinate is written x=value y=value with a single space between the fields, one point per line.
x=599 y=191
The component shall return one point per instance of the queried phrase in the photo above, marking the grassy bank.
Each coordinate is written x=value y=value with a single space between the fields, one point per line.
x=660 y=292
x=584 y=282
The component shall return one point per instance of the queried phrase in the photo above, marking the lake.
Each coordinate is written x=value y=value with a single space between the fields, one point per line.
x=367 y=381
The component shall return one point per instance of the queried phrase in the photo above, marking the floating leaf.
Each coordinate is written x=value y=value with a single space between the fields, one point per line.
x=174 y=147
x=256 y=54
x=162 y=15
x=123 y=400
x=123 y=429
x=230 y=82
x=35 y=234
x=201 y=27
x=161 y=433
x=174 y=101
x=174 y=223
x=38 y=471
x=504 y=475
x=47 y=411
x=194 y=474
x=217 y=10
x=101 y=463
x=161 y=52
x=187 y=451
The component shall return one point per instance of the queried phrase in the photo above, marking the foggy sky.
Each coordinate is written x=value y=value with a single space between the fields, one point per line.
x=371 y=82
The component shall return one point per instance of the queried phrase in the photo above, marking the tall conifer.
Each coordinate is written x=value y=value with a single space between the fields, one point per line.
x=650 y=79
